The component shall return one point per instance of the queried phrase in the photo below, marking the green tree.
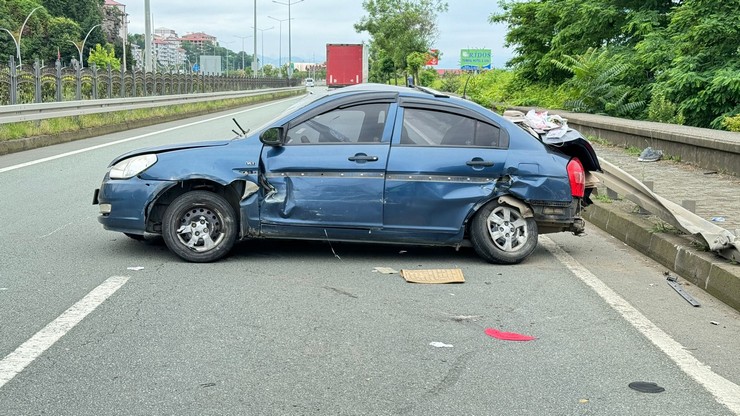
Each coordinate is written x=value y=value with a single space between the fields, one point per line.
x=102 y=56
x=543 y=31
x=702 y=74
x=414 y=62
x=86 y=13
x=400 y=27
x=593 y=83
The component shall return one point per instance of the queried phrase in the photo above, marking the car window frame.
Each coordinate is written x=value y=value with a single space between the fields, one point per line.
x=441 y=106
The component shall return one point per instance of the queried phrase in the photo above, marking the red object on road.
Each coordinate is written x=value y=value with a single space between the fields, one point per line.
x=507 y=336
x=346 y=64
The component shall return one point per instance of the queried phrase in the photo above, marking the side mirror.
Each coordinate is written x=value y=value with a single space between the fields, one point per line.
x=272 y=136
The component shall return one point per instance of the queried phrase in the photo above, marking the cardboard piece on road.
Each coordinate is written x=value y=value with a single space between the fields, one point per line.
x=433 y=276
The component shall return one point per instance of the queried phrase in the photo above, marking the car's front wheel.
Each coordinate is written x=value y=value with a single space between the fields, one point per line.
x=501 y=234
x=199 y=226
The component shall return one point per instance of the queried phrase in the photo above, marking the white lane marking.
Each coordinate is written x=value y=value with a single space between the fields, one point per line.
x=100 y=146
x=723 y=390
x=16 y=361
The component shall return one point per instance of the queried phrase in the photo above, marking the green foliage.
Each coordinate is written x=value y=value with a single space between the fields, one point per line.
x=427 y=77
x=104 y=56
x=594 y=73
x=414 y=62
x=732 y=123
x=399 y=27
x=702 y=75
x=663 y=110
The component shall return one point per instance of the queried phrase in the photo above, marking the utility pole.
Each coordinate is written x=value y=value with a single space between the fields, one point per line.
x=243 y=52
x=290 y=55
x=254 y=56
x=148 y=37
x=20 y=33
x=280 y=48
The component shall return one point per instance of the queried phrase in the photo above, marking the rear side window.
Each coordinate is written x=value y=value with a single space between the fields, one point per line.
x=422 y=127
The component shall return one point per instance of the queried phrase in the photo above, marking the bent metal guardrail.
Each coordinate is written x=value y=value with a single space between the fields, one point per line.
x=30 y=112
x=719 y=240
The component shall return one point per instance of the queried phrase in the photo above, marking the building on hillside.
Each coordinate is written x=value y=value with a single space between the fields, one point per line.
x=199 y=39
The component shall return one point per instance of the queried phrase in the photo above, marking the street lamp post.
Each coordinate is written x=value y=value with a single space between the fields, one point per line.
x=280 y=48
x=81 y=47
x=290 y=56
x=20 y=34
x=243 y=53
x=262 y=59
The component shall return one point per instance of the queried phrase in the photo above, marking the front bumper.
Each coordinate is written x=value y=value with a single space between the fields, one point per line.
x=125 y=203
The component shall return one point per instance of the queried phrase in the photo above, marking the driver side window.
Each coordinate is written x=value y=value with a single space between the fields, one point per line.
x=362 y=123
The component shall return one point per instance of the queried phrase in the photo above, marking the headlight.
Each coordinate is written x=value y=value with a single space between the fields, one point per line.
x=132 y=166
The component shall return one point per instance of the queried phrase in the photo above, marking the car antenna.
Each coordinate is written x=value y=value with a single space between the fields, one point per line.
x=244 y=132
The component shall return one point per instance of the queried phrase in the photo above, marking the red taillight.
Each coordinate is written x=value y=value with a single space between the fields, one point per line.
x=576 y=177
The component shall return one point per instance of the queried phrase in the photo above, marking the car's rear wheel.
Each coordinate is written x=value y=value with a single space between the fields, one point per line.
x=501 y=234
x=199 y=226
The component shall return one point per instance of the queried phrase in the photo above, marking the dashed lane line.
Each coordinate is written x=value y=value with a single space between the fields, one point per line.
x=16 y=361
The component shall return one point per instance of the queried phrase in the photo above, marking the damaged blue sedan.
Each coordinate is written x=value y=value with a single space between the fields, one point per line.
x=368 y=163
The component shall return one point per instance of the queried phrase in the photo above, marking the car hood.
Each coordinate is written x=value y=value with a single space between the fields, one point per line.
x=169 y=148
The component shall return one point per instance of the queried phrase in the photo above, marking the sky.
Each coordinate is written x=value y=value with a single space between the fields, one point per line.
x=314 y=24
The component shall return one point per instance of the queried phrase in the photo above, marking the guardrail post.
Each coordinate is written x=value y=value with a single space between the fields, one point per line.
x=649 y=185
x=110 y=82
x=123 y=83
x=37 y=80
x=78 y=79
x=95 y=82
x=58 y=80
x=13 y=81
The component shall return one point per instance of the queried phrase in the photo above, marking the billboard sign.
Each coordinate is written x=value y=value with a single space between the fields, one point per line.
x=432 y=57
x=475 y=59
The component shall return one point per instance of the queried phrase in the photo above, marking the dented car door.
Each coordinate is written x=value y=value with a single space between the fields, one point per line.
x=330 y=173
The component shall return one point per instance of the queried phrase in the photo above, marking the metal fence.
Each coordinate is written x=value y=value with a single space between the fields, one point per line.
x=41 y=84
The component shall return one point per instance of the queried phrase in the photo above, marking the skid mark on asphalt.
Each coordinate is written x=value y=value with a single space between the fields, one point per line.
x=16 y=361
x=723 y=390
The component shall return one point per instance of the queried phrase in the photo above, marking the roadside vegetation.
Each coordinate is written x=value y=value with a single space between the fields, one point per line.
x=671 y=61
x=125 y=119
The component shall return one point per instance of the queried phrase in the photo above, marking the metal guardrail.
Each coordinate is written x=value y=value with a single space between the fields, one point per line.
x=718 y=239
x=31 y=112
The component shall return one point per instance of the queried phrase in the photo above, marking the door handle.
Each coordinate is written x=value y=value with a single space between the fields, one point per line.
x=478 y=162
x=361 y=158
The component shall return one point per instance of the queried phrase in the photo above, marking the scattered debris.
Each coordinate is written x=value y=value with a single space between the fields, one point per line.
x=402 y=252
x=650 y=155
x=714 y=322
x=673 y=282
x=718 y=219
x=136 y=268
x=438 y=344
x=3 y=288
x=646 y=387
x=461 y=318
x=433 y=276
x=384 y=270
x=711 y=172
x=507 y=336
x=583 y=401
x=341 y=292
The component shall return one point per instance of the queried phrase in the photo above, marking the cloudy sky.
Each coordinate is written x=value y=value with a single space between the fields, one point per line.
x=315 y=23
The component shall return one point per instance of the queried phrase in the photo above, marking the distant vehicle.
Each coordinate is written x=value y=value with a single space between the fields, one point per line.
x=346 y=64
x=310 y=82
x=367 y=163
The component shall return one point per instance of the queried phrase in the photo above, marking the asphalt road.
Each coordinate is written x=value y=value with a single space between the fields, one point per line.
x=307 y=328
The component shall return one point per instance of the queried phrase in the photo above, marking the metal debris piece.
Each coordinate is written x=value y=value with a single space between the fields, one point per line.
x=673 y=281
